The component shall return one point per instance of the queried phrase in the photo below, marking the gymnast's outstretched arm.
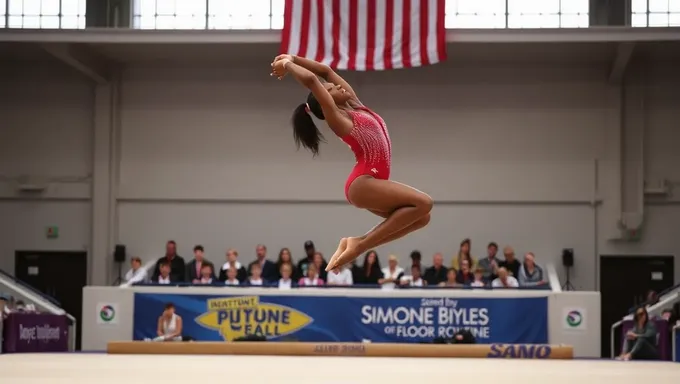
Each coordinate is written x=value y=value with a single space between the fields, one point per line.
x=322 y=70
x=340 y=123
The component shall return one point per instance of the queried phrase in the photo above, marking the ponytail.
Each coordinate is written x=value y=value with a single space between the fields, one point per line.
x=305 y=131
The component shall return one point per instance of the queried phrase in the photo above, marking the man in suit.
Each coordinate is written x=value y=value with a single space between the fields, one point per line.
x=268 y=268
x=193 y=269
x=175 y=261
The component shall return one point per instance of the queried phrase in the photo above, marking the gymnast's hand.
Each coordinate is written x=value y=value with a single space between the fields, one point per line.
x=279 y=68
x=284 y=56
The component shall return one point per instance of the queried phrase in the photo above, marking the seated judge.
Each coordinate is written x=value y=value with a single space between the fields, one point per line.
x=194 y=268
x=232 y=278
x=241 y=273
x=207 y=275
x=164 y=277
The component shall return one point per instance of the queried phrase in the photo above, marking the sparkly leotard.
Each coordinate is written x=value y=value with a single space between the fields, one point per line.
x=370 y=142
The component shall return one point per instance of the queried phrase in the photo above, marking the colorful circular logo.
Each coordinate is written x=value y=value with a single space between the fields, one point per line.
x=107 y=313
x=574 y=318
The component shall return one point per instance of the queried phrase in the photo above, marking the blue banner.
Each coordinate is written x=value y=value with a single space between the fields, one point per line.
x=347 y=319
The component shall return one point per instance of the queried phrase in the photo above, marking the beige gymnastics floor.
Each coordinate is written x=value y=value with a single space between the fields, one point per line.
x=157 y=369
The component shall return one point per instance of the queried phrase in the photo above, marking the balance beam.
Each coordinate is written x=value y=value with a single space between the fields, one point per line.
x=516 y=351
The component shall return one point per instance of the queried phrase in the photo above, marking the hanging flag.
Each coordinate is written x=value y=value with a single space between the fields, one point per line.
x=365 y=35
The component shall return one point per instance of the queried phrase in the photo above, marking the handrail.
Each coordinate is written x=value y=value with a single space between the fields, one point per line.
x=658 y=298
x=661 y=304
x=553 y=278
x=28 y=287
x=612 y=338
x=674 y=342
x=29 y=294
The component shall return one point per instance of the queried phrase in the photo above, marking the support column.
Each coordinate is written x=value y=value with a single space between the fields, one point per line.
x=101 y=252
x=109 y=14
x=605 y=13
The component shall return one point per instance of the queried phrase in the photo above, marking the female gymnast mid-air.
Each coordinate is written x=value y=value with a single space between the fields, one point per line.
x=405 y=209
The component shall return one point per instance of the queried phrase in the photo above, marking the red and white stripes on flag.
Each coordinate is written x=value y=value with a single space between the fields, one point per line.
x=365 y=35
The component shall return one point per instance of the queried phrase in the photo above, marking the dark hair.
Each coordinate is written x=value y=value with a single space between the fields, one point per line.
x=642 y=311
x=376 y=264
x=172 y=242
x=492 y=244
x=305 y=131
x=163 y=264
x=415 y=255
x=169 y=305
x=199 y=248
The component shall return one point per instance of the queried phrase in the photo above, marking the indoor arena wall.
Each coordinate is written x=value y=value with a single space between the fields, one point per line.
x=45 y=134
x=514 y=155
x=508 y=153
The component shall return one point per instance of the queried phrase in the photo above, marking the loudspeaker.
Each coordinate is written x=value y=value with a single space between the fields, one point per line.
x=568 y=257
x=119 y=253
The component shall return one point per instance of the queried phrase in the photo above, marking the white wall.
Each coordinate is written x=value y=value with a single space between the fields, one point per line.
x=45 y=132
x=206 y=156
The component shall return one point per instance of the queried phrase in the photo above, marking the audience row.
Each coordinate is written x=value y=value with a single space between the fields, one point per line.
x=464 y=270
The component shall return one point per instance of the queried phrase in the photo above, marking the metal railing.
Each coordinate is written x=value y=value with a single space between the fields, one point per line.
x=42 y=302
x=674 y=343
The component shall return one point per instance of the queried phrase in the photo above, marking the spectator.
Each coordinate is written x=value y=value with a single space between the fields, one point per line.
x=356 y=272
x=195 y=267
x=463 y=254
x=640 y=343
x=343 y=277
x=232 y=276
x=450 y=279
x=255 y=278
x=285 y=257
x=312 y=279
x=490 y=263
x=267 y=267
x=207 y=274
x=465 y=276
x=530 y=274
x=504 y=280
x=479 y=278
x=174 y=261
x=371 y=272
x=391 y=274
x=416 y=259
x=169 y=325
x=241 y=273
x=510 y=263
x=310 y=250
x=164 y=277
x=136 y=274
x=285 y=282
x=414 y=280
x=320 y=265
x=437 y=272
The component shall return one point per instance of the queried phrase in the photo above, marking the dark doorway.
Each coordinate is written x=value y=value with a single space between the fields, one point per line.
x=60 y=275
x=624 y=283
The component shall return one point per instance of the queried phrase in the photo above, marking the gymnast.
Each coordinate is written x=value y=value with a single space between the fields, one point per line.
x=405 y=209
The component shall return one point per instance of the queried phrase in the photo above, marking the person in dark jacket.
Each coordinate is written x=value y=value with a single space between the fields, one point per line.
x=175 y=261
x=370 y=271
x=641 y=341
x=437 y=272
x=268 y=268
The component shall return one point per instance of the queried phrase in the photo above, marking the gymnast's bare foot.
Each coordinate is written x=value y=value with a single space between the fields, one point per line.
x=341 y=248
x=350 y=254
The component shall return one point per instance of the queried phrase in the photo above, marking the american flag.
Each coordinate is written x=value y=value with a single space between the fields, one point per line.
x=365 y=35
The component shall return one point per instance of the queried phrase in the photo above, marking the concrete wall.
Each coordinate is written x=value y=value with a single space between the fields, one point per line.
x=526 y=156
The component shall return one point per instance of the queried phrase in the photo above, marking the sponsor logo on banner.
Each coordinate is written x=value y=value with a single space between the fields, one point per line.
x=574 y=318
x=235 y=317
x=107 y=313
x=527 y=351
x=435 y=317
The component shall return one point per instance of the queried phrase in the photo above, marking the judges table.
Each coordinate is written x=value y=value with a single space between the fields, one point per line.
x=34 y=332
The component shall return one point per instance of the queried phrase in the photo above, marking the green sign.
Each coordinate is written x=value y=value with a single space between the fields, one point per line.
x=52 y=232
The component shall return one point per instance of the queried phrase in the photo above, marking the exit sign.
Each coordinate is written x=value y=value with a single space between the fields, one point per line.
x=52 y=232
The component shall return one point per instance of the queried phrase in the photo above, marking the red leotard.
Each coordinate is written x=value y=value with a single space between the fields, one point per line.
x=370 y=142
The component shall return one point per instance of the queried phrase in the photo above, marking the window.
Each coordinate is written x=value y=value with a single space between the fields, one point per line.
x=211 y=14
x=655 y=13
x=47 y=14
x=517 y=14
x=548 y=14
